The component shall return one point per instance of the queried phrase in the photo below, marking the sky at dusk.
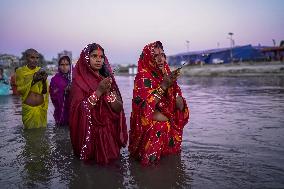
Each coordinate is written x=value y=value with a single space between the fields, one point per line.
x=124 y=27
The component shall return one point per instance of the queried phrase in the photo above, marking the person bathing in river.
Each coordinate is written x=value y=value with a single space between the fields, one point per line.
x=32 y=85
x=13 y=83
x=97 y=121
x=59 y=89
x=4 y=83
x=159 y=111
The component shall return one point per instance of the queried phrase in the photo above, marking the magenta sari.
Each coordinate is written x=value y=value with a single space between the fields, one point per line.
x=60 y=98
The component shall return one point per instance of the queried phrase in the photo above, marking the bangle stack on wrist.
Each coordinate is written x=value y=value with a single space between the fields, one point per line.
x=111 y=97
x=159 y=93
x=93 y=99
x=157 y=96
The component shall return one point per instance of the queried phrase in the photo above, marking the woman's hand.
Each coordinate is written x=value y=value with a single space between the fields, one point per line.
x=168 y=80
x=104 y=86
x=36 y=77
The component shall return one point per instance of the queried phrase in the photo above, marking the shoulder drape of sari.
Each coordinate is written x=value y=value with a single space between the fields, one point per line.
x=33 y=117
x=98 y=133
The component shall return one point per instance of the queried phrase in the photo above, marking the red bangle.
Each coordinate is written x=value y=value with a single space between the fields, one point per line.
x=111 y=97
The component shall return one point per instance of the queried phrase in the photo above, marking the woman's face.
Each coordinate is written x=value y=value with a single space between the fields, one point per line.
x=159 y=57
x=96 y=59
x=32 y=59
x=64 y=66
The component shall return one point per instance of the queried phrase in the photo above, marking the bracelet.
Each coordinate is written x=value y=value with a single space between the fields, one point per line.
x=93 y=99
x=161 y=105
x=157 y=96
x=160 y=91
x=111 y=97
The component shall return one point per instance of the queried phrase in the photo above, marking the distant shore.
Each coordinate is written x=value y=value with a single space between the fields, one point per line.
x=229 y=70
x=236 y=69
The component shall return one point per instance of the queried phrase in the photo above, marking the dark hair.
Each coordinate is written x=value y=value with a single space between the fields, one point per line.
x=158 y=44
x=64 y=58
x=30 y=51
x=2 y=69
x=103 y=71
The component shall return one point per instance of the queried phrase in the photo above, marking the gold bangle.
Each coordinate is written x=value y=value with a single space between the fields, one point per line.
x=93 y=99
x=111 y=97
x=157 y=96
x=92 y=103
x=160 y=91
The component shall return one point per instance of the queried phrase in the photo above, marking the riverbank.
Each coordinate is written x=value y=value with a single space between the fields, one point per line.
x=227 y=70
x=235 y=69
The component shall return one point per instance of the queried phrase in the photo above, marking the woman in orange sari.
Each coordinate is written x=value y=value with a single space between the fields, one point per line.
x=159 y=112
x=13 y=83
x=97 y=120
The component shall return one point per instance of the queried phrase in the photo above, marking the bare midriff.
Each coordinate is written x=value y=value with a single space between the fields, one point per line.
x=158 y=116
x=34 y=99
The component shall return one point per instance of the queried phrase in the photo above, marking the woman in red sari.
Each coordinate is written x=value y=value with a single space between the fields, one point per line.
x=97 y=120
x=159 y=112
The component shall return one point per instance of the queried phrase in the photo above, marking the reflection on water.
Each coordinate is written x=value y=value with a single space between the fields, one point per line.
x=235 y=139
x=36 y=158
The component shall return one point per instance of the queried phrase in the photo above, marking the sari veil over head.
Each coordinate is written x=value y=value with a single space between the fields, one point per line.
x=149 y=139
x=58 y=94
x=97 y=133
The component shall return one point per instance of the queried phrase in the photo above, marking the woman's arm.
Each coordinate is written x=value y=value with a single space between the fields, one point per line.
x=179 y=103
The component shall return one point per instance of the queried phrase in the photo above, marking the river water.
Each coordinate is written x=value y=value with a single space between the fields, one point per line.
x=235 y=139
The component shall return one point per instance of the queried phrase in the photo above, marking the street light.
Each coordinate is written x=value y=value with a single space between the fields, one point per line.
x=231 y=43
x=187 y=49
x=274 y=42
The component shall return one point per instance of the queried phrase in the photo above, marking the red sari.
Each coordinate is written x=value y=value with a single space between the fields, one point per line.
x=97 y=133
x=150 y=139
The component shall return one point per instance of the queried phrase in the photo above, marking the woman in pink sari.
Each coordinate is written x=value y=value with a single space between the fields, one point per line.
x=59 y=91
x=97 y=120
x=159 y=112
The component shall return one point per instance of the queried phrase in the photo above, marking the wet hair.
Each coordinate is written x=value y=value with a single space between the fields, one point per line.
x=103 y=71
x=64 y=58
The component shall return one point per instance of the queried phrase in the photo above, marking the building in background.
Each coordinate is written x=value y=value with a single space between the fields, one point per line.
x=244 y=53
x=9 y=61
x=65 y=53
x=275 y=53
x=132 y=69
x=62 y=53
